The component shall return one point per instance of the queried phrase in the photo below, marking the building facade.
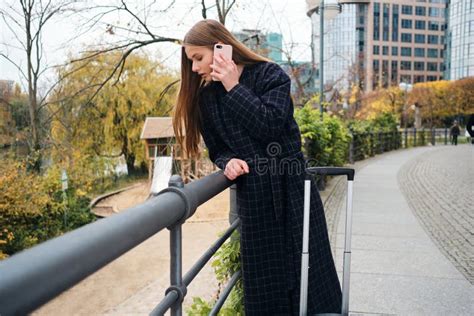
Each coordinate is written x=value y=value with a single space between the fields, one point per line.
x=269 y=44
x=382 y=43
x=460 y=40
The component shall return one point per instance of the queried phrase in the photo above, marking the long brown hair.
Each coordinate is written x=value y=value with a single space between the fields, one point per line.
x=186 y=118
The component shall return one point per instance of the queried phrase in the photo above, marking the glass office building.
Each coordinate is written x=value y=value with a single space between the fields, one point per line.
x=383 y=43
x=460 y=40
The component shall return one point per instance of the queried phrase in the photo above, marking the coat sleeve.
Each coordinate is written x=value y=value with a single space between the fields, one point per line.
x=264 y=115
x=219 y=153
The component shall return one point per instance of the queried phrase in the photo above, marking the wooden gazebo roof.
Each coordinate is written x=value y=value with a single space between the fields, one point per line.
x=157 y=127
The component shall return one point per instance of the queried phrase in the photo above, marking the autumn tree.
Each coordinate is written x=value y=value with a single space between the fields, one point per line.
x=435 y=99
x=109 y=125
x=380 y=101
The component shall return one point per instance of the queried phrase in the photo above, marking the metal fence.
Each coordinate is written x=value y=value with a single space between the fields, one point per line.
x=413 y=137
x=33 y=277
x=364 y=145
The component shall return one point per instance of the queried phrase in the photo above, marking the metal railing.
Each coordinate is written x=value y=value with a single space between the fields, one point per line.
x=31 y=278
x=364 y=145
x=413 y=137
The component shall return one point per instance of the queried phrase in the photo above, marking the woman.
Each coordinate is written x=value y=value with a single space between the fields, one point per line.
x=246 y=120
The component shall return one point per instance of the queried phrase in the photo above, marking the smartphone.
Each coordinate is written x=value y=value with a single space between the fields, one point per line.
x=223 y=50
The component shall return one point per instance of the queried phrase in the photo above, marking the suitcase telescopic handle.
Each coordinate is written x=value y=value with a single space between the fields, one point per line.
x=332 y=171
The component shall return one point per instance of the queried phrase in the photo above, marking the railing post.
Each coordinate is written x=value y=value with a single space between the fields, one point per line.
x=406 y=138
x=176 y=262
x=384 y=141
x=445 y=135
x=379 y=136
x=351 y=149
x=233 y=210
x=372 y=144
x=414 y=137
x=433 y=136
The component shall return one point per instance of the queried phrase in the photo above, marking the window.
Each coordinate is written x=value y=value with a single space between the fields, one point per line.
x=420 y=25
x=394 y=51
x=405 y=65
x=385 y=73
x=433 y=11
x=407 y=24
x=434 y=26
x=385 y=50
x=405 y=78
x=376 y=50
x=394 y=75
x=406 y=51
x=386 y=23
x=432 y=53
x=407 y=9
x=431 y=78
x=395 y=23
x=419 y=65
x=420 y=11
x=376 y=65
x=419 y=78
x=376 y=21
x=432 y=66
x=433 y=39
x=406 y=37
x=420 y=38
x=419 y=52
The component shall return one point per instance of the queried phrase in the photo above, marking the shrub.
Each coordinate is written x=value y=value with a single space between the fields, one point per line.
x=324 y=142
x=225 y=264
x=32 y=208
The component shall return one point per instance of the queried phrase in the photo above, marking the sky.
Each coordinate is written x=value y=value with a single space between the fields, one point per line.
x=282 y=16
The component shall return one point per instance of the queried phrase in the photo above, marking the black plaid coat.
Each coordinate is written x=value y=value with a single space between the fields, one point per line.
x=254 y=122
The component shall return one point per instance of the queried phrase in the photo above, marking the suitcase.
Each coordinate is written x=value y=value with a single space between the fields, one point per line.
x=330 y=171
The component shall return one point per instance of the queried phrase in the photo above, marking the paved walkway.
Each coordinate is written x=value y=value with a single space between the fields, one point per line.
x=397 y=268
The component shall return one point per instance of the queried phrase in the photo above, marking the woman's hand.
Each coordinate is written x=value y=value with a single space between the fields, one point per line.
x=234 y=168
x=226 y=71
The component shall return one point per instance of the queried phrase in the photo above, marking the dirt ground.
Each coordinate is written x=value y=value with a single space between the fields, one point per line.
x=136 y=282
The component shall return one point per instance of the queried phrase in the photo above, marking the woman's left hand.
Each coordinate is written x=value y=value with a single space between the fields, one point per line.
x=226 y=71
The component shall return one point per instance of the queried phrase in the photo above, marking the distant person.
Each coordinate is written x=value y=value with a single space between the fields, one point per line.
x=455 y=131
x=470 y=127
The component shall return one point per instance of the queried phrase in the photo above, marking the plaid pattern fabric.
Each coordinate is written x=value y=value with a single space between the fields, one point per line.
x=254 y=122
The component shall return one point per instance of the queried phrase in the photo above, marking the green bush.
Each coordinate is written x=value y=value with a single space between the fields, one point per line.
x=370 y=136
x=226 y=263
x=326 y=142
x=32 y=208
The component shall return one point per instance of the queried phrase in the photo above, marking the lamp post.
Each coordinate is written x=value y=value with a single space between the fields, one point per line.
x=406 y=87
x=328 y=9
x=64 y=184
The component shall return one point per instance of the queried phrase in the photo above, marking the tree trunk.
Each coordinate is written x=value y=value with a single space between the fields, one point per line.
x=34 y=145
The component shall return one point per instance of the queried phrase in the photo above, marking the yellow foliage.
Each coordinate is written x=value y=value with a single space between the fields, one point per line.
x=90 y=132
x=381 y=101
x=21 y=194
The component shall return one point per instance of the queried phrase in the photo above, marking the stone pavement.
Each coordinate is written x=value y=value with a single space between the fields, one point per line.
x=397 y=268
x=440 y=190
